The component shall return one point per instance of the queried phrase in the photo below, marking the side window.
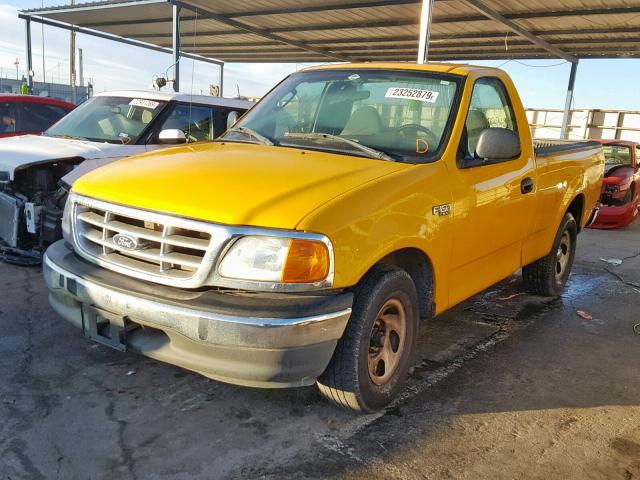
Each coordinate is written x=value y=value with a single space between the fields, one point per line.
x=194 y=120
x=637 y=156
x=490 y=107
x=7 y=118
x=37 y=117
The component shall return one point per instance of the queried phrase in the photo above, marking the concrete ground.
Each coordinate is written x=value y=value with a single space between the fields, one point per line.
x=503 y=386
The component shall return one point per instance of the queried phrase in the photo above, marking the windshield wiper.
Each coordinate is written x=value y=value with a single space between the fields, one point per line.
x=70 y=137
x=371 y=152
x=251 y=134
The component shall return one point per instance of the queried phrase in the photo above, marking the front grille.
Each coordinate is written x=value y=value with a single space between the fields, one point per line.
x=166 y=249
x=138 y=242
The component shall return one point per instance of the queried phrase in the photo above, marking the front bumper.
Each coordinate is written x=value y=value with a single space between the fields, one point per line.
x=616 y=216
x=264 y=340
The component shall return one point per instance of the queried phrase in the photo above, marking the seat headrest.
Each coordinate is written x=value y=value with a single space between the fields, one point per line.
x=364 y=121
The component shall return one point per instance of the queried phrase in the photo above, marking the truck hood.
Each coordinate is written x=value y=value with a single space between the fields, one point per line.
x=232 y=183
x=20 y=152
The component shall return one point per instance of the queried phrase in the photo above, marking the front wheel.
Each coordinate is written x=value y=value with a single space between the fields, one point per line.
x=372 y=358
x=548 y=275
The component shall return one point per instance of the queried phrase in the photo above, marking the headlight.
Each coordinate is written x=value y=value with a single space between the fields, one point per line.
x=276 y=259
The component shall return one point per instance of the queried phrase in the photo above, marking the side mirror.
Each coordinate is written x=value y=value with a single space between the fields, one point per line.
x=498 y=144
x=172 y=136
x=232 y=118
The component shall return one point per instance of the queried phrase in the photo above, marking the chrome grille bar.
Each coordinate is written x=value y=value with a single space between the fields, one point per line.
x=173 y=250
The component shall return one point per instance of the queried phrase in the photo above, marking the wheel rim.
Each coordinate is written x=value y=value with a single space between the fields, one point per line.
x=387 y=342
x=563 y=254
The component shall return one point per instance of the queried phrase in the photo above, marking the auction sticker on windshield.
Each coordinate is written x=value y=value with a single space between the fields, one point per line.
x=413 y=94
x=141 y=102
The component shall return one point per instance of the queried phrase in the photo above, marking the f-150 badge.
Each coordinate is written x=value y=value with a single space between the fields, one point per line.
x=442 y=210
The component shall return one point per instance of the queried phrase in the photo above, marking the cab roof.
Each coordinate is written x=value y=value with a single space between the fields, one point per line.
x=453 y=68
x=179 y=97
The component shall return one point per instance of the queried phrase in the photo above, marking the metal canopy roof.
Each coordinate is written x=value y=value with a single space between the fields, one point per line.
x=363 y=30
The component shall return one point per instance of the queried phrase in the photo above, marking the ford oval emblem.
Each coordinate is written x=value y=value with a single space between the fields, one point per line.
x=127 y=242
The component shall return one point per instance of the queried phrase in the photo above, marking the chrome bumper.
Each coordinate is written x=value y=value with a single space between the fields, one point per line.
x=197 y=338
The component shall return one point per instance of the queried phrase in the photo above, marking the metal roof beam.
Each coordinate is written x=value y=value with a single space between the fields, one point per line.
x=384 y=3
x=493 y=15
x=394 y=47
x=323 y=8
x=115 y=38
x=89 y=6
x=337 y=42
x=259 y=31
x=290 y=29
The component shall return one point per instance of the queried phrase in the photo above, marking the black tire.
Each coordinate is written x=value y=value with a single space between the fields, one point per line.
x=548 y=275
x=347 y=381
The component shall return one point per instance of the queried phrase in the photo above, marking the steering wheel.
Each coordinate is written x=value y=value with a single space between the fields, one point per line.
x=412 y=129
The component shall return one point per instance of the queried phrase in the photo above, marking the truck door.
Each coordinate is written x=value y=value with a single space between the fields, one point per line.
x=493 y=200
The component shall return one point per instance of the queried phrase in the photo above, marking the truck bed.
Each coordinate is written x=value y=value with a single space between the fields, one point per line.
x=546 y=147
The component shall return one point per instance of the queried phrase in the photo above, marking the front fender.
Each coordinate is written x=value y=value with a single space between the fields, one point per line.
x=386 y=215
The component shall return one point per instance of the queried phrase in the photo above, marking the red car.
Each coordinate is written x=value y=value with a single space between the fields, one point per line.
x=621 y=187
x=27 y=114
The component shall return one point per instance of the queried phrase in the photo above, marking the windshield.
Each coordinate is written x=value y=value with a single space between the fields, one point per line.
x=108 y=119
x=382 y=114
x=617 y=155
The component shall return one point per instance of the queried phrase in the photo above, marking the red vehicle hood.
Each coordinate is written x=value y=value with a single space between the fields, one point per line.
x=618 y=175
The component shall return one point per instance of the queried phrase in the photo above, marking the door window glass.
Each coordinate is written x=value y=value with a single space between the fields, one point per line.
x=195 y=121
x=490 y=107
x=37 y=117
x=7 y=118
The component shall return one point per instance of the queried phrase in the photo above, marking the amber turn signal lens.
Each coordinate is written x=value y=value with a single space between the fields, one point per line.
x=307 y=262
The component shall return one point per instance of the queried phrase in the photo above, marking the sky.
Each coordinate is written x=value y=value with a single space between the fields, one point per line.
x=611 y=84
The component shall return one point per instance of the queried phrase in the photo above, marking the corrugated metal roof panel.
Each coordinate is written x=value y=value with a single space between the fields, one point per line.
x=307 y=30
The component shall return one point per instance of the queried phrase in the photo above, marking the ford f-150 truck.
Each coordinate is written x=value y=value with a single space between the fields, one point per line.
x=305 y=244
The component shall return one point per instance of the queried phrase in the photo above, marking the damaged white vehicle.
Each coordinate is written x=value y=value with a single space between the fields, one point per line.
x=36 y=172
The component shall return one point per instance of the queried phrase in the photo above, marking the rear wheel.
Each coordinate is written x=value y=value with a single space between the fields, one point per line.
x=372 y=357
x=548 y=275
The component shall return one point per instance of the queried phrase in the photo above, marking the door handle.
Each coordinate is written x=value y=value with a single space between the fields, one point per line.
x=526 y=186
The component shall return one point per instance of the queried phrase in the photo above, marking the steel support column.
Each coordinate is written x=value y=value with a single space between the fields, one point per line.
x=29 y=55
x=425 y=30
x=567 y=106
x=221 y=80
x=176 y=48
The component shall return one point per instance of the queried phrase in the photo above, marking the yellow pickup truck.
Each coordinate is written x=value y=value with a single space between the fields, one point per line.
x=305 y=244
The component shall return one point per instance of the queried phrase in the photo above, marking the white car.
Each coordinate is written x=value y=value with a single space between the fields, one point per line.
x=36 y=172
